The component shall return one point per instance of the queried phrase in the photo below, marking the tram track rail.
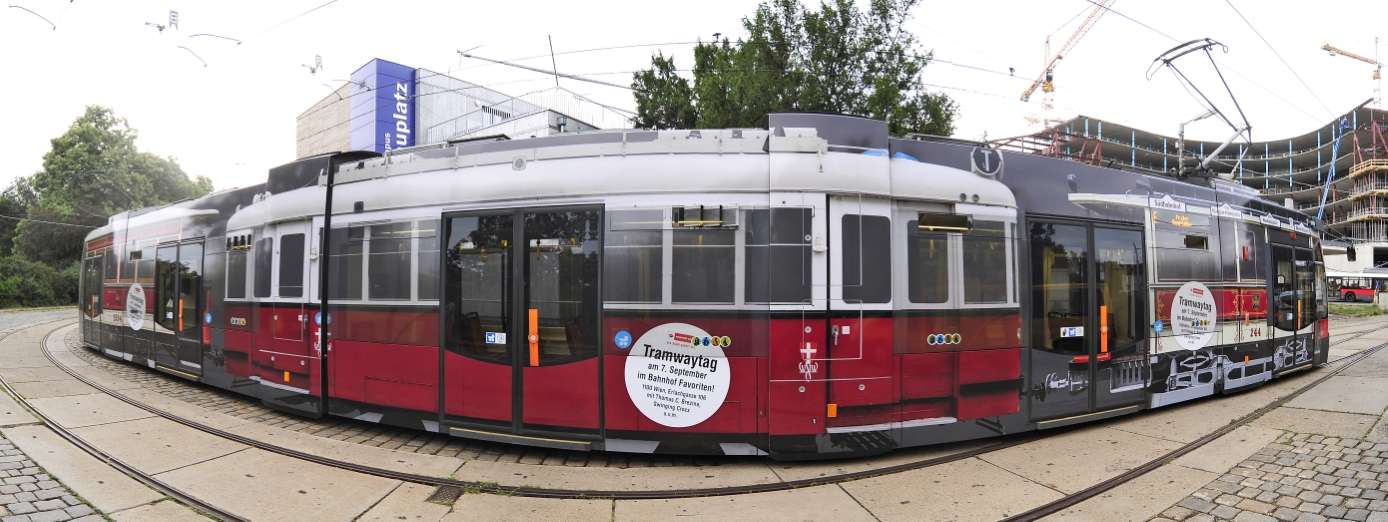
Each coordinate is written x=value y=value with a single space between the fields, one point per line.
x=106 y=458
x=460 y=486
x=1077 y=497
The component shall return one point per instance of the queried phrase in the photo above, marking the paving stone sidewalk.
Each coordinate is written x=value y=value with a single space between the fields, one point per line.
x=1299 y=477
x=27 y=494
x=371 y=434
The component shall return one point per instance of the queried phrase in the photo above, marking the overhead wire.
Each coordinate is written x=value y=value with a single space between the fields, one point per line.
x=3 y=216
x=295 y=17
x=1279 y=56
x=1231 y=69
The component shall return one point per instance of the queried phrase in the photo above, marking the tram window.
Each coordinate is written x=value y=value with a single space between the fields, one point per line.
x=867 y=259
x=1306 y=287
x=236 y=274
x=345 y=247
x=112 y=260
x=1121 y=291
x=292 y=265
x=1252 y=252
x=127 y=269
x=561 y=264
x=777 y=264
x=927 y=265
x=428 y=260
x=1059 y=294
x=633 y=268
x=1322 y=309
x=1284 y=288
x=1186 y=264
x=985 y=263
x=477 y=288
x=165 y=304
x=264 y=254
x=703 y=266
x=144 y=268
x=388 y=268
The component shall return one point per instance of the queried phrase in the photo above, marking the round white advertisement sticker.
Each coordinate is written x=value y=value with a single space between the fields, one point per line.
x=1193 y=316
x=677 y=374
x=135 y=307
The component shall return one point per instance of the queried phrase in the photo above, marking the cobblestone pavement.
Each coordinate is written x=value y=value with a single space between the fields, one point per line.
x=1300 y=477
x=370 y=434
x=27 y=494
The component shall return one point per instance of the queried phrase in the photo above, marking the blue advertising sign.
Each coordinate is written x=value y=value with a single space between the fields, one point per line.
x=383 y=106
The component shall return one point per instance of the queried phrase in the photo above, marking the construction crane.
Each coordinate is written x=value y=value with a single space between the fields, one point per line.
x=1378 y=80
x=1045 y=81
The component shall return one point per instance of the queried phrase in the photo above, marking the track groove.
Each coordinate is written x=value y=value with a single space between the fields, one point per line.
x=145 y=478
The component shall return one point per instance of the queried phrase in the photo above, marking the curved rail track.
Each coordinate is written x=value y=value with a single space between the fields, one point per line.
x=461 y=485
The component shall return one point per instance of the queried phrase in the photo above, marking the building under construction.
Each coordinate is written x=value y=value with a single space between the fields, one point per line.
x=1296 y=172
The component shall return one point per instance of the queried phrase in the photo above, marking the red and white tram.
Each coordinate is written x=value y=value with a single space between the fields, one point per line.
x=819 y=289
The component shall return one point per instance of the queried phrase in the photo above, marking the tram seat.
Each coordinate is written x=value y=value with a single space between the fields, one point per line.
x=573 y=331
x=473 y=336
x=554 y=340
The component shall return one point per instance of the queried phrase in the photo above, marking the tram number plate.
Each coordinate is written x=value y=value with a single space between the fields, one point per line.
x=1072 y=331
x=496 y=337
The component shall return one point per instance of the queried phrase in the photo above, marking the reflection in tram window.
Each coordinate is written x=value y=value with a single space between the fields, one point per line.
x=131 y=255
x=479 y=286
x=236 y=274
x=165 y=305
x=1306 y=287
x=1252 y=252
x=867 y=259
x=388 y=268
x=778 y=255
x=110 y=262
x=345 y=263
x=264 y=255
x=985 y=263
x=1120 y=270
x=144 y=267
x=561 y=282
x=1284 y=288
x=927 y=260
x=634 y=254
x=292 y=265
x=704 y=266
x=189 y=318
x=428 y=260
x=1058 y=299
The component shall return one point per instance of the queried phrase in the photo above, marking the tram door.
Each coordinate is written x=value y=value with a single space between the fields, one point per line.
x=859 y=334
x=179 y=308
x=1293 y=304
x=521 y=319
x=1088 y=324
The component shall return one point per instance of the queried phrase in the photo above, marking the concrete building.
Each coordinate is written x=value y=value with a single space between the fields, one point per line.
x=387 y=106
x=1344 y=163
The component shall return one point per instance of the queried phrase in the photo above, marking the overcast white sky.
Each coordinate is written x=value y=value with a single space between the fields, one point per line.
x=234 y=119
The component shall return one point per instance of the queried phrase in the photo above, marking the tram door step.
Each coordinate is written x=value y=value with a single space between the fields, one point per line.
x=1056 y=423
x=508 y=438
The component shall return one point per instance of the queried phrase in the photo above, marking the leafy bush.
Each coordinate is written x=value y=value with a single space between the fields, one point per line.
x=26 y=283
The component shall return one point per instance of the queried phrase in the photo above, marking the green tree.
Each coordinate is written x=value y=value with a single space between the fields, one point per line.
x=838 y=59
x=93 y=171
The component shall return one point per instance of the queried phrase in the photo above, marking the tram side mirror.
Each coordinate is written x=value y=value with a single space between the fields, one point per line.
x=1349 y=254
